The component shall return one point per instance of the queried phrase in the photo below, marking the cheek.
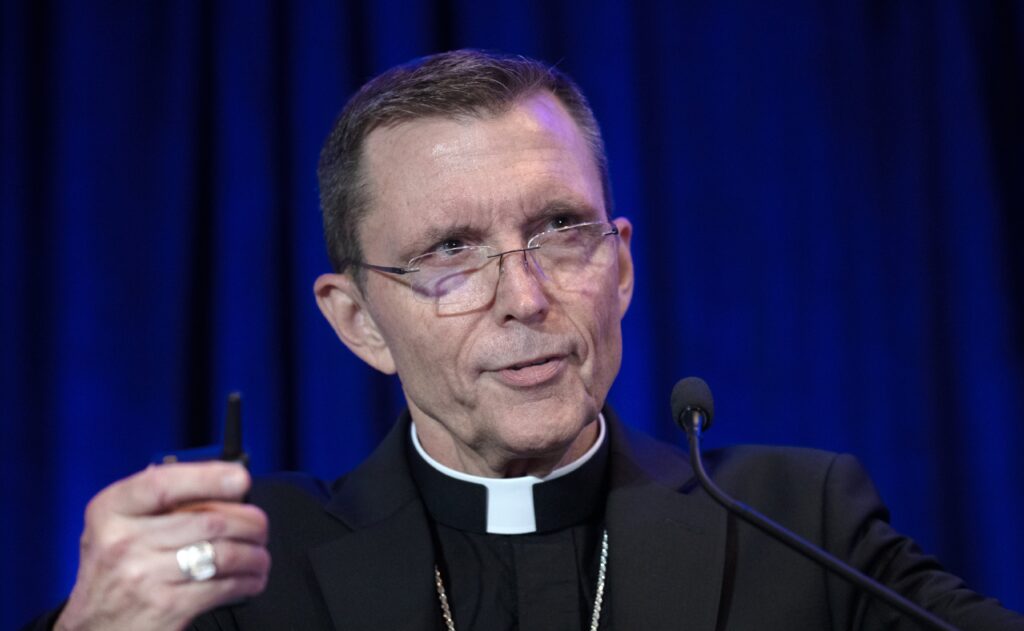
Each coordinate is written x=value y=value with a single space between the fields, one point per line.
x=607 y=350
x=598 y=320
x=422 y=351
x=426 y=348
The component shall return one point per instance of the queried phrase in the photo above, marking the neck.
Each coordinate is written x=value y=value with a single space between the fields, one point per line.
x=446 y=449
x=512 y=506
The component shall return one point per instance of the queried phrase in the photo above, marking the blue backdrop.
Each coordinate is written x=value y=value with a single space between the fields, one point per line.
x=827 y=200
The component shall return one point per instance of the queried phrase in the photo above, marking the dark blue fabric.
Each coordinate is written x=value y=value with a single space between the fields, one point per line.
x=827 y=200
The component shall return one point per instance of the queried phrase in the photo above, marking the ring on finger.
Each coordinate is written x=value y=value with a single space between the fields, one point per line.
x=197 y=561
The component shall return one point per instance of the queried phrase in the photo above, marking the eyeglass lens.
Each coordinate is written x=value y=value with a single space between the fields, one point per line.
x=463 y=279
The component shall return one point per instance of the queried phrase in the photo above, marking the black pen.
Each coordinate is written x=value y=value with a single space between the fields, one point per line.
x=232 y=449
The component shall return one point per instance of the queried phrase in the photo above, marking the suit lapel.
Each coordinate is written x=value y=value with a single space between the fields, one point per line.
x=381 y=574
x=667 y=543
x=392 y=565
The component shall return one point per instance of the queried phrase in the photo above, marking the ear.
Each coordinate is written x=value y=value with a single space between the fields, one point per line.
x=625 y=264
x=342 y=303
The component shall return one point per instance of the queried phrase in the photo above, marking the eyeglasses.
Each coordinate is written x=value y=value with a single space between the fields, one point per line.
x=456 y=278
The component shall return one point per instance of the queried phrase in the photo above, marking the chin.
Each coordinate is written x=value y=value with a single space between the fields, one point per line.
x=543 y=432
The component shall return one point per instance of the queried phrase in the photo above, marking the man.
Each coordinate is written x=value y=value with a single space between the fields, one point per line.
x=468 y=217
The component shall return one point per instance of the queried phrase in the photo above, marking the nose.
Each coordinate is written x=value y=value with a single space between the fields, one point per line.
x=520 y=294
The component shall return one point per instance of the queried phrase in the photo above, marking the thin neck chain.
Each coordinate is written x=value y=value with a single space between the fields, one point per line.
x=595 y=617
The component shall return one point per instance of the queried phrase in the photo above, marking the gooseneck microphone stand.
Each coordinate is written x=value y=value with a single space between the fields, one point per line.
x=693 y=419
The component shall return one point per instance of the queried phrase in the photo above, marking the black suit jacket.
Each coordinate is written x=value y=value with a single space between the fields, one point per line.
x=357 y=554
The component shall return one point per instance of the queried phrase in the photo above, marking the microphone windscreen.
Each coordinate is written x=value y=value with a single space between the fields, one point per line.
x=693 y=393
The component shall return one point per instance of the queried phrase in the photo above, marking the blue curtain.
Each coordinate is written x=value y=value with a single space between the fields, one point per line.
x=827 y=199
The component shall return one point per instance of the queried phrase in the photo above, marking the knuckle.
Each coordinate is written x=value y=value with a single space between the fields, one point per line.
x=263 y=561
x=258 y=584
x=213 y=524
x=153 y=483
x=96 y=511
x=250 y=585
x=93 y=511
x=134 y=572
x=226 y=558
x=261 y=524
x=261 y=519
x=118 y=547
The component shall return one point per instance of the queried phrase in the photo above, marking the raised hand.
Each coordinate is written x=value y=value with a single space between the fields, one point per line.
x=130 y=573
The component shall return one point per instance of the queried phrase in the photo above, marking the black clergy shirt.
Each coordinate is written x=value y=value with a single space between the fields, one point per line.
x=541 y=580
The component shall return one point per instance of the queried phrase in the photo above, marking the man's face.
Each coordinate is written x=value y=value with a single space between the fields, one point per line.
x=523 y=375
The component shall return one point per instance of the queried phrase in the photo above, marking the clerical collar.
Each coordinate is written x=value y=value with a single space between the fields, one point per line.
x=512 y=506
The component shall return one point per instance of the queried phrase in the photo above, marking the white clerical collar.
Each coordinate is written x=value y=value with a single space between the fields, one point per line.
x=510 y=501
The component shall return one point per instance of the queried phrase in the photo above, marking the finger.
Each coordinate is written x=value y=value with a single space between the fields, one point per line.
x=232 y=559
x=160 y=488
x=207 y=595
x=240 y=574
x=209 y=520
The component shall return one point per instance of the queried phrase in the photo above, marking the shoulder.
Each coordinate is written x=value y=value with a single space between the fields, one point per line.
x=734 y=468
x=296 y=505
x=792 y=466
x=797 y=480
x=743 y=460
x=289 y=491
x=790 y=478
x=289 y=486
x=734 y=465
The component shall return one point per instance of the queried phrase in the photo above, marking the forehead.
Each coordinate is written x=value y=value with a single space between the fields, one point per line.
x=490 y=170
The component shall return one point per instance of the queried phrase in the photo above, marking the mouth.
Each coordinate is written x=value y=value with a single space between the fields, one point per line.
x=527 y=364
x=533 y=372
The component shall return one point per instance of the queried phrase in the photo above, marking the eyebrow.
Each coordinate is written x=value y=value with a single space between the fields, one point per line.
x=433 y=234
x=578 y=210
x=581 y=209
x=462 y=229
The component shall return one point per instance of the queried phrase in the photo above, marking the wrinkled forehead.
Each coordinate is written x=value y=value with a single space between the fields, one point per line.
x=483 y=169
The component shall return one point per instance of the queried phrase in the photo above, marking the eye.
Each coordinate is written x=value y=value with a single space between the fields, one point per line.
x=562 y=221
x=449 y=250
x=448 y=245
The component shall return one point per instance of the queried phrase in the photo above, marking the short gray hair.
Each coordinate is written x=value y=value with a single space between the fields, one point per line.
x=461 y=83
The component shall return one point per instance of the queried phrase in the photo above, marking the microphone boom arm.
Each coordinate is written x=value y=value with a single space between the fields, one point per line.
x=694 y=421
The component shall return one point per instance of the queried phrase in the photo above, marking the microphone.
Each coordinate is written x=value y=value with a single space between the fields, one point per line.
x=693 y=409
x=692 y=405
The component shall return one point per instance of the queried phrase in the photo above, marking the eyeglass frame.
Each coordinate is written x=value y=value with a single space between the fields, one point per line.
x=409 y=269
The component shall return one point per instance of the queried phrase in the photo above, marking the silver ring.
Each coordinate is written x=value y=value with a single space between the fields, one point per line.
x=197 y=561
